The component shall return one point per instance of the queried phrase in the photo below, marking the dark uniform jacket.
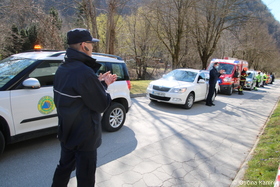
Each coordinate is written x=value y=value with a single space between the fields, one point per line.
x=214 y=75
x=80 y=98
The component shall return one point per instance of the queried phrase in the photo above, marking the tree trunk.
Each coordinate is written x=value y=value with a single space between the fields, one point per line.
x=110 y=35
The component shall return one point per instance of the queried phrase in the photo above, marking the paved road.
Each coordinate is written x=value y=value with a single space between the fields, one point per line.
x=160 y=145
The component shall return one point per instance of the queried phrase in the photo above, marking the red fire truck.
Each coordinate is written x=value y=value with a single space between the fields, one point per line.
x=230 y=79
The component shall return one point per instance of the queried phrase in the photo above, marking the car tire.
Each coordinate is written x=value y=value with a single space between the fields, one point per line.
x=114 y=117
x=229 y=92
x=251 y=87
x=2 y=143
x=189 y=101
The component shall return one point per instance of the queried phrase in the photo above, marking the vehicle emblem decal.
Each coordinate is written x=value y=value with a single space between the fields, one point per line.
x=46 y=105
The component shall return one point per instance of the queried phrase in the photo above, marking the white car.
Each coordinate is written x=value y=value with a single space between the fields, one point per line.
x=251 y=80
x=181 y=87
x=27 y=108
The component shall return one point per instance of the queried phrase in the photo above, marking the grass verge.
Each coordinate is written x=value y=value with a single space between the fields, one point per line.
x=263 y=166
x=139 y=87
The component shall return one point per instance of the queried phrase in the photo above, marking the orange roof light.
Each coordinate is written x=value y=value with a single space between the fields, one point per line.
x=37 y=47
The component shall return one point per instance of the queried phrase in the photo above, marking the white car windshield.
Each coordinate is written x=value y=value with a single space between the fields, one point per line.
x=12 y=66
x=181 y=75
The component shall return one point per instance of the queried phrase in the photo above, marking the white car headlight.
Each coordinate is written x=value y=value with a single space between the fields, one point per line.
x=150 y=86
x=178 y=90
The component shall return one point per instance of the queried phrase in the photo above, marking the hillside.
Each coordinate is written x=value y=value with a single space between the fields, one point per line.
x=256 y=7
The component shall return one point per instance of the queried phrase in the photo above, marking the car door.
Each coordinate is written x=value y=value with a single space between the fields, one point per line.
x=201 y=87
x=34 y=109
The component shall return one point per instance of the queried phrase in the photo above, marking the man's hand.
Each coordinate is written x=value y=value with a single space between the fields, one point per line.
x=108 y=77
x=102 y=76
x=222 y=71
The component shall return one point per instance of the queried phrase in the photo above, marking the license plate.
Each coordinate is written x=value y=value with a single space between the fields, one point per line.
x=159 y=94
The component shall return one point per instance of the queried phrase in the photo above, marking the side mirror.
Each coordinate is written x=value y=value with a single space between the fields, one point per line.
x=31 y=83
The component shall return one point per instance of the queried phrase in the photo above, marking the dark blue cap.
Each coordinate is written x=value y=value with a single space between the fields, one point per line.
x=79 y=35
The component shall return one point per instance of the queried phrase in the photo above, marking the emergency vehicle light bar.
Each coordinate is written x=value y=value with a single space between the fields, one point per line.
x=37 y=47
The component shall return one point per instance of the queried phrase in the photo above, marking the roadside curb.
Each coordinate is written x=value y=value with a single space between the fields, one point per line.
x=241 y=172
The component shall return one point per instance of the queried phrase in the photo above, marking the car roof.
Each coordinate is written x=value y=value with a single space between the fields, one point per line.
x=59 y=55
x=229 y=61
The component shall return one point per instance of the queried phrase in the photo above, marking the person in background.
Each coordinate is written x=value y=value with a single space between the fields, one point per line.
x=242 y=80
x=80 y=97
x=264 y=79
x=272 y=78
x=259 y=79
x=214 y=75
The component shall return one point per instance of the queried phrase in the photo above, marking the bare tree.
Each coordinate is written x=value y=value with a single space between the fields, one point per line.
x=141 y=42
x=227 y=45
x=25 y=14
x=49 y=31
x=87 y=16
x=210 y=19
x=169 y=20
x=257 y=46
x=114 y=8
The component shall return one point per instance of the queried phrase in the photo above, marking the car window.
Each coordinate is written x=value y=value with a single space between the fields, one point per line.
x=202 y=76
x=207 y=76
x=117 y=69
x=12 y=66
x=45 y=72
x=102 y=69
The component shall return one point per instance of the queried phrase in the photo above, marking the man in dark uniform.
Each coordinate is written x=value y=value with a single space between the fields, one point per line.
x=214 y=75
x=80 y=97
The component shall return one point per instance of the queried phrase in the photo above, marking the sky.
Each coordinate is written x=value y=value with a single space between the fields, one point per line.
x=274 y=7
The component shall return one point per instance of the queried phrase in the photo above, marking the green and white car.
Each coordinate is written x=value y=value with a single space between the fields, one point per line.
x=27 y=108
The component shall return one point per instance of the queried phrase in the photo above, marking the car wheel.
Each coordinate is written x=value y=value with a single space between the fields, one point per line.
x=2 y=143
x=229 y=92
x=251 y=87
x=189 y=101
x=114 y=117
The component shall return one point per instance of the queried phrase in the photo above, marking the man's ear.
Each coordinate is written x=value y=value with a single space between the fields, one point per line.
x=83 y=47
